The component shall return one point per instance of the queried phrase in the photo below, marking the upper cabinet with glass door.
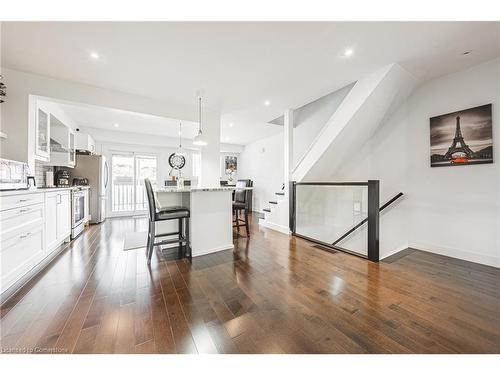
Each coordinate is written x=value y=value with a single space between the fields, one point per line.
x=42 y=134
x=72 y=150
x=62 y=144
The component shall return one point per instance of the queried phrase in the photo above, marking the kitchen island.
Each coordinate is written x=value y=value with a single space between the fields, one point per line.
x=211 y=227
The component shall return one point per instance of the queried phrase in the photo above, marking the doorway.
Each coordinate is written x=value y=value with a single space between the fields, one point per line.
x=128 y=171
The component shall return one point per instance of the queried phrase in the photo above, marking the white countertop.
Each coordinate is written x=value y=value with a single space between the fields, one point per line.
x=40 y=190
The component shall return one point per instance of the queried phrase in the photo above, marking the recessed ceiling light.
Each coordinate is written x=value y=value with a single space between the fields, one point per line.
x=94 y=55
x=348 y=52
x=231 y=124
x=116 y=125
x=267 y=103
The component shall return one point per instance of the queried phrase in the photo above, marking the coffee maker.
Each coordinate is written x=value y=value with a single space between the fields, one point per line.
x=62 y=178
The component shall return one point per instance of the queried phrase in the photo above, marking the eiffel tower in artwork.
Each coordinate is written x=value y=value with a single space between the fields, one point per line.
x=458 y=144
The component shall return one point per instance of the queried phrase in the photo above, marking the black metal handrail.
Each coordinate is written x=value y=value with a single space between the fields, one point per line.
x=384 y=206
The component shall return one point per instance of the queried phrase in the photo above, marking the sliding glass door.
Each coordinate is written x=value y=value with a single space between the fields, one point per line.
x=128 y=171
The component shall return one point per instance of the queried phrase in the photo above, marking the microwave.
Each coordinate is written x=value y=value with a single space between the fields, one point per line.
x=13 y=175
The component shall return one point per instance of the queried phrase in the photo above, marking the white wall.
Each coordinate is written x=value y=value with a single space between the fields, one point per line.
x=262 y=161
x=453 y=211
x=310 y=119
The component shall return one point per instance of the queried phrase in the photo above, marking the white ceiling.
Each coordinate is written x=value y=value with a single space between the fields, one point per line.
x=239 y=65
x=87 y=116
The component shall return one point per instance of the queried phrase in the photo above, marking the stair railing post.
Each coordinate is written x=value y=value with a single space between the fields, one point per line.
x=291 y=204
x=373 y=220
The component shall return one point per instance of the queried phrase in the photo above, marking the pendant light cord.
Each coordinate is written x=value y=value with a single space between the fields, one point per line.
x=199 y=112
x=180 y=134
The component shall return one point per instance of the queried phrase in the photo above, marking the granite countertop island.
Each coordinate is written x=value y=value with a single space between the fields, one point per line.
x=211 y=220
x=188 y=189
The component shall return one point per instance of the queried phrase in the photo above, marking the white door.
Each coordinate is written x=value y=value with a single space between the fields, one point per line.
x=128 y=171
x=64 y=215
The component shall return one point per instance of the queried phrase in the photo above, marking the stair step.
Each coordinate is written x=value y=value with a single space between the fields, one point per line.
x=280 y=193
x=266 y=210
x=273 y=202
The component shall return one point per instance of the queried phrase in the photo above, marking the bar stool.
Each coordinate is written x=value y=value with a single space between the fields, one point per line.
x=162 y=214
x=241 y=202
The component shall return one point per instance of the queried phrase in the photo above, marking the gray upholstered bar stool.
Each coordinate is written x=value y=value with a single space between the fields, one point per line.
x=166 y=213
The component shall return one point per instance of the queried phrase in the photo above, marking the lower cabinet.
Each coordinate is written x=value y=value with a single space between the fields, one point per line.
x=32 y=225
x=57 y=218
x=20 y=252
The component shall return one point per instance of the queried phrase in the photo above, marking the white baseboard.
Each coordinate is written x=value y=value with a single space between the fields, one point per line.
x=392 y=252
x=276 y=227
x=457 y=253
x=214 y=250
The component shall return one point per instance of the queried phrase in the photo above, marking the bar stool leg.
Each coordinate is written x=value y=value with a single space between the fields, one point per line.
x=149 y=238
x=152 y=241
x=238 y=220
x=246 y=222
x=188 y=244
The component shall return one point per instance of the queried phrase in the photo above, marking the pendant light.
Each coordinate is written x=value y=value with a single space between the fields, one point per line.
x=199 y=140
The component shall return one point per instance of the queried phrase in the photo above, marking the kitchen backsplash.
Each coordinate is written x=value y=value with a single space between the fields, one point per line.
x=40 y=170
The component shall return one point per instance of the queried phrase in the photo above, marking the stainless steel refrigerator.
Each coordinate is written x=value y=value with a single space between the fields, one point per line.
x=95 y=169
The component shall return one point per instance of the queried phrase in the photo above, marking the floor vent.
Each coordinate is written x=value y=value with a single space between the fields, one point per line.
x=325 y=248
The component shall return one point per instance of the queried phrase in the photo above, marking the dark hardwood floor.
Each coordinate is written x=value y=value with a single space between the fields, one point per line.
x=274 y=294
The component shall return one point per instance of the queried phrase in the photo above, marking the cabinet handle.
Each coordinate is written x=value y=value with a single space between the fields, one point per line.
x=23 y=200
x=25 y=235
x=24 y=210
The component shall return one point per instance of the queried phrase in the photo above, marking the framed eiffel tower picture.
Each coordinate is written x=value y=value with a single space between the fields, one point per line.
x=462 y=138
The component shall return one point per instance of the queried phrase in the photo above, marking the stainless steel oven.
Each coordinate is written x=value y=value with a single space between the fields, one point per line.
x=13 y=175
x=77 y=212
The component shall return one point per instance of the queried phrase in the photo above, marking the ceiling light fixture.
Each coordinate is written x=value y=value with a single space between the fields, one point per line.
x=116 y=125
x=267 y=103
x=348 y=52
x=199 y=140
x=94 y=55
x=231 y=124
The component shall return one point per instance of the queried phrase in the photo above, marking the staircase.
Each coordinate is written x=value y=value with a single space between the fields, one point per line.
x=372 y=99
x=276 y=214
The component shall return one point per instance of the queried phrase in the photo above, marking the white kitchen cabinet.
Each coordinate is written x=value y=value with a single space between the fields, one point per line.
x=32 y=226
x=51 y=239
x=22 y=245
x=42 y=134
x=84 y=142
x=72 y=150
x=58 y=218
x=64 y=215
x=20 y=251
x=62 y=144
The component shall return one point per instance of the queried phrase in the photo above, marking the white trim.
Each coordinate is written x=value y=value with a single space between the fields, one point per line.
x=276 y=227
x=457 y=253
x=395 y=251
x=214 y=250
